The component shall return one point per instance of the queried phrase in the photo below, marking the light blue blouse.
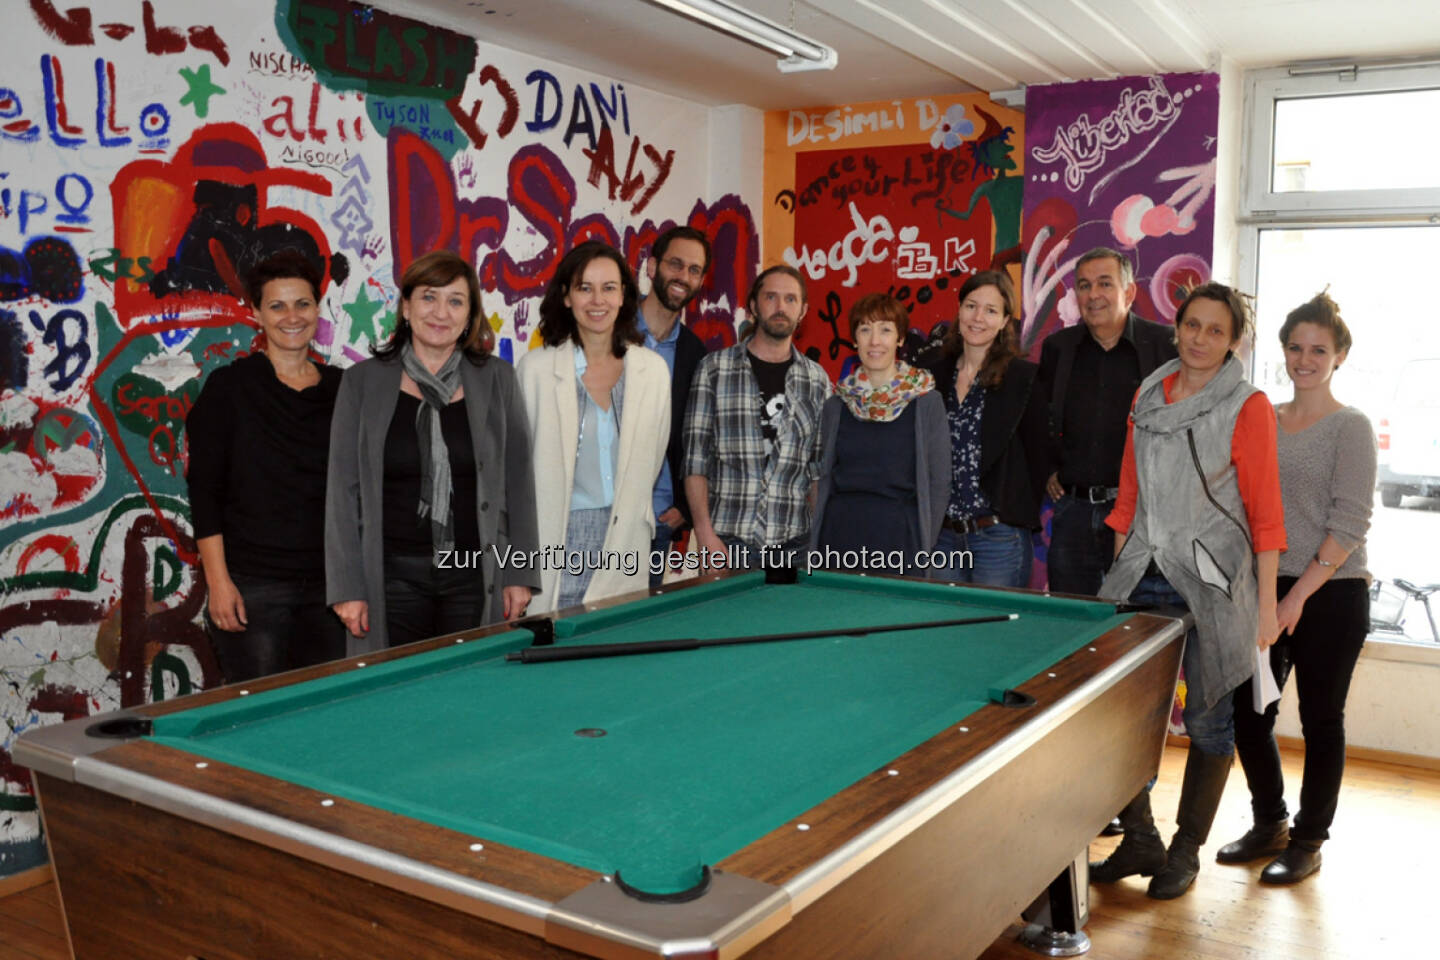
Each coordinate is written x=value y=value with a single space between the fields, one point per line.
x=597 y=453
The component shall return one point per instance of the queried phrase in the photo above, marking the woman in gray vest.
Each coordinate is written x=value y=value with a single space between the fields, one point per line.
x=1198 y=524
x=1327 y=476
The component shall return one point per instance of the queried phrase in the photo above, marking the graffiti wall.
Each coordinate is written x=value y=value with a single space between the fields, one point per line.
x=1128 y=164
x=899 y=197
x=153 y=151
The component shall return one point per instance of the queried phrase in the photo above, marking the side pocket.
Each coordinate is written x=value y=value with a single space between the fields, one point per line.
x=1209 y=570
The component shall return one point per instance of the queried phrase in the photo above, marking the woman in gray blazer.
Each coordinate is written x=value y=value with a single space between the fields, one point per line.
x=430 y=511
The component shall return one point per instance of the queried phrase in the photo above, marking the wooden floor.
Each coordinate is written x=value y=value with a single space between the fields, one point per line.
x=1370 y=901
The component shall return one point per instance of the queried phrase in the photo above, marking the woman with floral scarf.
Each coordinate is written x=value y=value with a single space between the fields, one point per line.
x=885 y=469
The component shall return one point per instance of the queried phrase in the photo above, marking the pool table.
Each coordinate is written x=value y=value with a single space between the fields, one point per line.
x=849 y=794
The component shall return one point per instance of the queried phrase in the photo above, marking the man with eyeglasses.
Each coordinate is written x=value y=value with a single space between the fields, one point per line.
x=679 y=258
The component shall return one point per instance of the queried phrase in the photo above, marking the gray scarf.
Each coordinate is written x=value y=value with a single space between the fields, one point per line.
x=436 y=389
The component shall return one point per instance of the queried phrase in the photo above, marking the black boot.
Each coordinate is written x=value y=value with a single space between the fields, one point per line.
x=1205 y=775
x=1292 y=866
x=1261 y=840
x=1140 y=852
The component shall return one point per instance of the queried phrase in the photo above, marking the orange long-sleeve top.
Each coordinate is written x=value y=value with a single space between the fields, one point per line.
x=1257 y=472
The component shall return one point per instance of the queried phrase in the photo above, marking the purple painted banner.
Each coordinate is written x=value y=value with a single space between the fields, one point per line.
x=1129 y=164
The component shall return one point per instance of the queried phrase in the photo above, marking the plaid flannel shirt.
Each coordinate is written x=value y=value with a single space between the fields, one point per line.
x=758 y=495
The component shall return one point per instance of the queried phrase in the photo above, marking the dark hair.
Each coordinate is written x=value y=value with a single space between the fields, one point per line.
x=662 y=243
x=440 y=268
x=1127 y=269
x=1005 y=346
x=285 y=265
x=1324 y=313
x=754 y=295
x=879 y=308
x=1242 y=320
x=557 y=322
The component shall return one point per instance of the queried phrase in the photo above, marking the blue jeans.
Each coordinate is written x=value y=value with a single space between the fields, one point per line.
x=1212 y=730
x=1000 y=556
x=1081 y=546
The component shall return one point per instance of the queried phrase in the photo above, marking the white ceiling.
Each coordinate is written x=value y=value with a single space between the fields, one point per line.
x=905 y=48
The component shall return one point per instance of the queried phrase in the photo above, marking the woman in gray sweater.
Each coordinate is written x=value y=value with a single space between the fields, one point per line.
x=1327 y=479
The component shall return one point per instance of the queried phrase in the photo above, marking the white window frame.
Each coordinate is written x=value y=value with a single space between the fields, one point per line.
x=1263 y=88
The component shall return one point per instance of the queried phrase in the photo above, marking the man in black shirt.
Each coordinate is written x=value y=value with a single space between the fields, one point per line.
x=1089 y=373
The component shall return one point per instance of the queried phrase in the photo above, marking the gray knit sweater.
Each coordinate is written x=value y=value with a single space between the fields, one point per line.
x=1327 y=479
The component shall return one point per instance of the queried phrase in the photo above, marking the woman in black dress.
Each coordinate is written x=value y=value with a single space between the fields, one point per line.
x=885 y=469
x=259 y=437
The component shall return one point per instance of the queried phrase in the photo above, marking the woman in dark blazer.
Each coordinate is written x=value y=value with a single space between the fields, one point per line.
x=430 y=509
x=997 y=439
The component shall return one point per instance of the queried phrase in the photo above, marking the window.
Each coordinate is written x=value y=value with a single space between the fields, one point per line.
x=1351 y=140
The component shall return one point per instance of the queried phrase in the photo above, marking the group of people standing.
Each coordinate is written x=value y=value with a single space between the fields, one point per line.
x=1252 y=518
x=323 y=504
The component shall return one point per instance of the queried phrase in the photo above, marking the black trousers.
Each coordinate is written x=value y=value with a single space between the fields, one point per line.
x=424 y=601
x=1322 y=650
x=288 y=627
x=1081 y=546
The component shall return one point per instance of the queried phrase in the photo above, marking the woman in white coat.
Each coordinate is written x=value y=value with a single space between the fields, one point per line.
x=599 y=411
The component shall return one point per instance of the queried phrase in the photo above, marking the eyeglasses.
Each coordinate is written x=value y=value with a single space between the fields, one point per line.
x=676 y=265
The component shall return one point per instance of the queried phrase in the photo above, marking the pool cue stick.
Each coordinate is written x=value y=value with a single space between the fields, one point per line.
x=597 y=650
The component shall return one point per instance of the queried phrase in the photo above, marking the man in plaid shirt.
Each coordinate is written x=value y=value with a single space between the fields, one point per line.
x=752 y=431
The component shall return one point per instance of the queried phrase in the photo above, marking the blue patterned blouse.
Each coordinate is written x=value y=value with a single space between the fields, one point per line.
x=966 y=498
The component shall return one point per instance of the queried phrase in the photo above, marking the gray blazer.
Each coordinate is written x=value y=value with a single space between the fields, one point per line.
x=354 y=519
x=932 y=463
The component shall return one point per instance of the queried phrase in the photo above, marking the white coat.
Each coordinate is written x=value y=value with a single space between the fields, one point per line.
x=547 y=388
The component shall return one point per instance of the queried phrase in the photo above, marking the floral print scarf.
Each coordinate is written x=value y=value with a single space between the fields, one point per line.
x=884 y=403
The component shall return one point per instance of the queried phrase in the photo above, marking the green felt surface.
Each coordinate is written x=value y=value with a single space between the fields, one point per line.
x=704 y=752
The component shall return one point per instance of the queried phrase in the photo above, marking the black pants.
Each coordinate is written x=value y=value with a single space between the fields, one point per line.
x=288 y=627
x=1081 y=546
x=1323 y=650
x=423 y=601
